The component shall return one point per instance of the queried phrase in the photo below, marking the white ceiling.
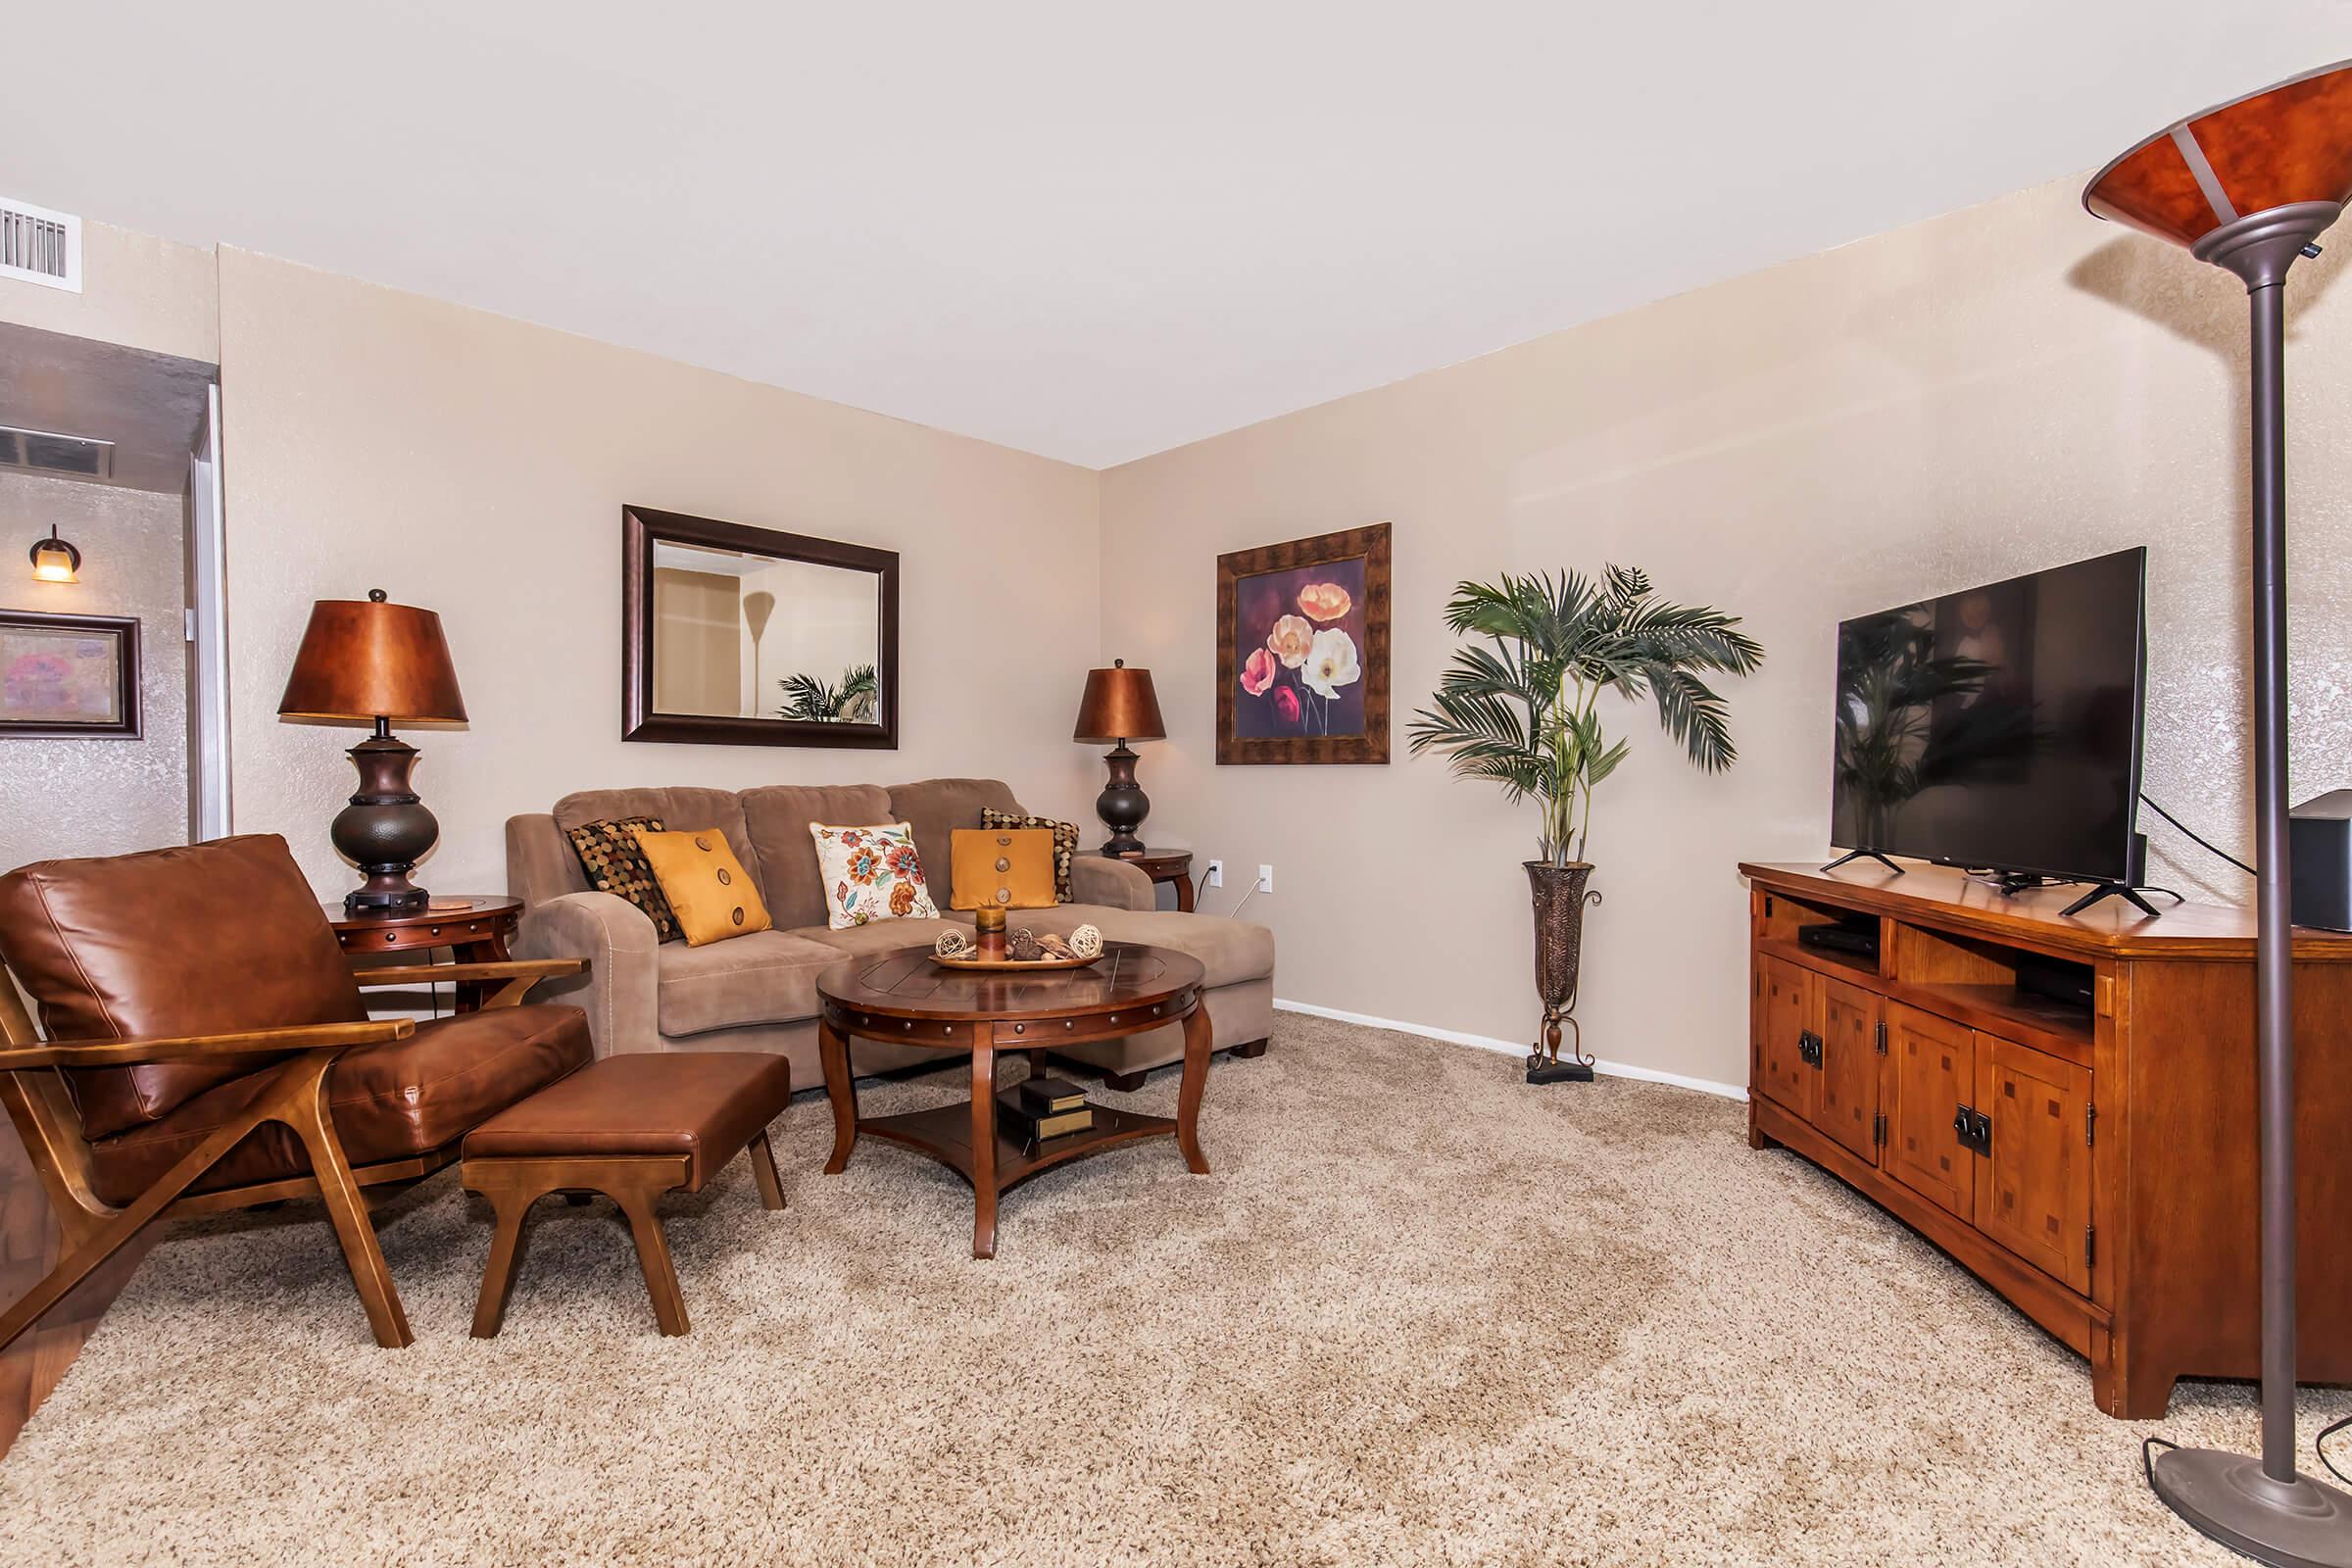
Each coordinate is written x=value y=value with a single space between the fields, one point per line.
x=1091 y=230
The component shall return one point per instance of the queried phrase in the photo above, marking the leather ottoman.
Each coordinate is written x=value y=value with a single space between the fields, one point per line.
x=631 y=1127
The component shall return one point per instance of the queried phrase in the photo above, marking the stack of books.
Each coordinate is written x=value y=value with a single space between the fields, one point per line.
x=1035 y=1109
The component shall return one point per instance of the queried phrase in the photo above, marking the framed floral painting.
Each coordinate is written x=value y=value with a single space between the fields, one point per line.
x=69 y=675
x=1303 y=650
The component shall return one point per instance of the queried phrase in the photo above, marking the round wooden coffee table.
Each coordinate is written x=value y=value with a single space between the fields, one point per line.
x=906 y=997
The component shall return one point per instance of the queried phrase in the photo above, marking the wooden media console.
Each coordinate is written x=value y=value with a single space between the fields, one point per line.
x=2065 y=1105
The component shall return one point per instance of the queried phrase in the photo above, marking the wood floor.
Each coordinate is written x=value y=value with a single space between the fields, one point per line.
x=29 y=1242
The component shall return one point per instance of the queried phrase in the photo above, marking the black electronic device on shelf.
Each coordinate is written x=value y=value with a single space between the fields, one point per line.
x=1856 y=937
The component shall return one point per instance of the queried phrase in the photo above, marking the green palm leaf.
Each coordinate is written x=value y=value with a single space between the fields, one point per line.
x=1517 y=707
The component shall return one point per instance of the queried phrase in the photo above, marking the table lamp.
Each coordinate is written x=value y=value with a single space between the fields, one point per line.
x=375 y=661
x=1119 y=707
x=2248 y=186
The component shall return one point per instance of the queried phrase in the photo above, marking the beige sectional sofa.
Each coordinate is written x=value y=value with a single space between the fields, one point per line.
x=758 y=992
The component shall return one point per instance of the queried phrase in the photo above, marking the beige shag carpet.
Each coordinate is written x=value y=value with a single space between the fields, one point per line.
x=1420 y=1314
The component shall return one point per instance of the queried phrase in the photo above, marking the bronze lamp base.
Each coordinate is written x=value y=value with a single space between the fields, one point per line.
x=385 y=829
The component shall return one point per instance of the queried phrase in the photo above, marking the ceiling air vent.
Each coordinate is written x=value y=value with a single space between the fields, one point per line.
x=74 y=457
x=39 y=246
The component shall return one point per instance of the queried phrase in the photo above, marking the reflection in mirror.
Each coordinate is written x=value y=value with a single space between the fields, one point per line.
x=750 y=636
x=753 y=636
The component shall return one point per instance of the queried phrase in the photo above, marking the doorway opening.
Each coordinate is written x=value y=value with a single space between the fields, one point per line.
x=114 y=452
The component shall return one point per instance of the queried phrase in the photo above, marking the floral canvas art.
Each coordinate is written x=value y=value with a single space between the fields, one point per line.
x=68 y=674
x=1303 y=651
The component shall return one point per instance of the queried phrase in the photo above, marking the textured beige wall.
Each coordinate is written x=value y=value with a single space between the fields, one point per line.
x=136 y=289
x=100 y=796
x=1997 y=390
x=477 y=466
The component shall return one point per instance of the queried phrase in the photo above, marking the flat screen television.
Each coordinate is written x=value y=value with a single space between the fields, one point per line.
x=1999 y=727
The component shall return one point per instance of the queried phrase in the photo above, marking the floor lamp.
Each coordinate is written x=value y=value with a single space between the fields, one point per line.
x=2249 y=185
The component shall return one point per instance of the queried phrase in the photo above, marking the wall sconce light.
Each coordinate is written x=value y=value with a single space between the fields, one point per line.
x=54 y=560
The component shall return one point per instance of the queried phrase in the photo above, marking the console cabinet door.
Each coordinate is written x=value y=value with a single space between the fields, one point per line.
x=1786 y=1003
x=2034 y=1185
x=1848 y=1105
x=1930 y=1073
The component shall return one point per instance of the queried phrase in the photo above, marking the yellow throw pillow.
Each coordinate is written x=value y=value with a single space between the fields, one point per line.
x=705 y=884
x=1009 y=867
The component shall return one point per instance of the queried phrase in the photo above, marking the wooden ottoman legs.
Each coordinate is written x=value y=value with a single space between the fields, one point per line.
x=512 y=1186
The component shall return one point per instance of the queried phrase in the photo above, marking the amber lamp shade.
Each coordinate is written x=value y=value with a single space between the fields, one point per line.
x=371 y=661
x=2280 y=147
x=2249 y=185
x=1119 y=706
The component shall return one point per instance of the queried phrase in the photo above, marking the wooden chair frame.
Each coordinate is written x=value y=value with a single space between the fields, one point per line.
x=296 y=1097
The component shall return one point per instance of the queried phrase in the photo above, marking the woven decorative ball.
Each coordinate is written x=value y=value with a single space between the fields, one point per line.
x=1086 y=942
x=953 y=943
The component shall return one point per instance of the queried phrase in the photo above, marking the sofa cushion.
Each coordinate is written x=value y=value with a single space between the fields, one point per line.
x=768 y=977
x=778 y=816
x=1010 y=867
x=871 y=872
x=1065 y=843
x=682 y=809
x=706 y=886
x=883 y=936
x=936 y=807
x=393 y=1100
x=206 y=939
x=1231 y=951
x=615 y=862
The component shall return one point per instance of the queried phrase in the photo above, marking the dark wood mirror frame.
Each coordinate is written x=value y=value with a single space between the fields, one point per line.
x=641 y=527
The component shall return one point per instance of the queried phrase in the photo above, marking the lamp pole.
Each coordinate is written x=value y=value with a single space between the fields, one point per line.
x=2286 y=152
x=2261 y=257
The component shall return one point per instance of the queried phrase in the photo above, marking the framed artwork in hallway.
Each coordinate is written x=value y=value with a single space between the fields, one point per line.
x=69 y=675
x=1303 y=650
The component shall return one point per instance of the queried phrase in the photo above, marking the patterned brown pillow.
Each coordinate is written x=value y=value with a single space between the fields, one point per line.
x=615 y=863
x=1065 y=843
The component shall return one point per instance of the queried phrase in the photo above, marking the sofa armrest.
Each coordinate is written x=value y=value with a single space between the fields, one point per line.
x=619 y=943
x=1113 y=883
x=540 y=862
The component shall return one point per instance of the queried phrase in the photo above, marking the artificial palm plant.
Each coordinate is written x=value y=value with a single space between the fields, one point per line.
x=852 y=702
x=1522 y=709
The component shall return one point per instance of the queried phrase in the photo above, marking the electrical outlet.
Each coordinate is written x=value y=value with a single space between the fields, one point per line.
x=1216 y=874
x=1265 y=879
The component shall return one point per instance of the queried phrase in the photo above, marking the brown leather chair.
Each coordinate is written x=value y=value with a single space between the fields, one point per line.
x=204 y=1046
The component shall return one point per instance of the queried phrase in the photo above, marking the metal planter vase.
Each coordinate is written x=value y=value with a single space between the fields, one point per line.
x=1560 y=893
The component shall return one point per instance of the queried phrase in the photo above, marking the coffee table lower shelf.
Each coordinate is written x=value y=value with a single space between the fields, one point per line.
x=904 y=998
x=945 y=1133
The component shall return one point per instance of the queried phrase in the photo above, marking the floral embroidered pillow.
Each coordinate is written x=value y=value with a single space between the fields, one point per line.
x=871 y=873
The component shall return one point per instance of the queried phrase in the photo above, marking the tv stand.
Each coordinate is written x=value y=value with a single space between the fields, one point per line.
x=2113 y=889
x=2062 y=1104
x=1864 y=855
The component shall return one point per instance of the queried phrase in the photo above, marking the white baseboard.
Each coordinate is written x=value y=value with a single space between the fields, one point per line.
x=1705 y=1086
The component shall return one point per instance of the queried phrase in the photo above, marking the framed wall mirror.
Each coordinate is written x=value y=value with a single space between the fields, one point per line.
x=754 y=637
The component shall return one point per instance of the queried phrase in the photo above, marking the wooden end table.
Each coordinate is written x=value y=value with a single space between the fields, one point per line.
x=904 y=998
x=1164 y=865
x=476 y=928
